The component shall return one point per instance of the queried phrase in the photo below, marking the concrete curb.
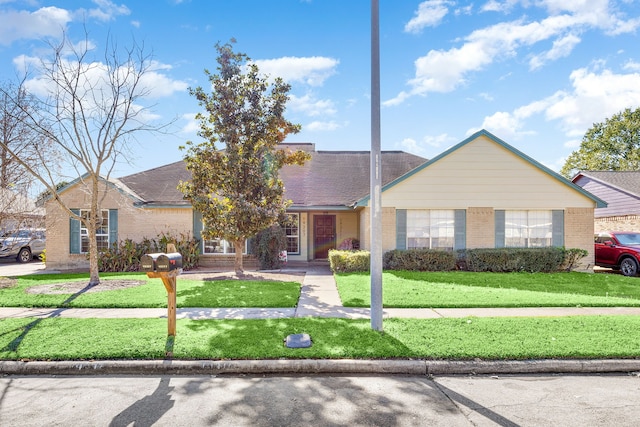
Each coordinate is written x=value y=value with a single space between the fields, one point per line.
x=313 y=366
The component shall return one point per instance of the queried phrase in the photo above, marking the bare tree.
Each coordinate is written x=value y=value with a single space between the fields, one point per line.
x=91 y=109
x=17 y=207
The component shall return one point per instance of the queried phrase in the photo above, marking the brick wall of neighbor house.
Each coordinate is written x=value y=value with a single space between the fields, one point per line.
x=480 y=228
x=617 y=223
x=578 y=233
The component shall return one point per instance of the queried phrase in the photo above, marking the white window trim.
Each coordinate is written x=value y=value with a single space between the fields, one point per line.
x=296 y=236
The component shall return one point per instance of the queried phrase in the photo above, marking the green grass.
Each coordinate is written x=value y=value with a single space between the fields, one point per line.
x=190 y=293
x=459 y=339
x=404 y=289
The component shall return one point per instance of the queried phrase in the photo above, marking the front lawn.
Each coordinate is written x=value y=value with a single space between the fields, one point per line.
x=150 y=294
x=408 y=289
x=589 y=337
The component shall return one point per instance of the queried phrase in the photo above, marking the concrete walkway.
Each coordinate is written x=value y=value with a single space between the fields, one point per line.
x=318 y=298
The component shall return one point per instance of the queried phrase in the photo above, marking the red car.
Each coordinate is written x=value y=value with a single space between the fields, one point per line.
x=619 y=250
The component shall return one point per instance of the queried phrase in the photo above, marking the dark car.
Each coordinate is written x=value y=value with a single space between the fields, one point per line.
x=619 y=250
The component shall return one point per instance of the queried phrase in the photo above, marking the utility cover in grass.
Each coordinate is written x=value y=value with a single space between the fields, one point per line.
x=298 y=341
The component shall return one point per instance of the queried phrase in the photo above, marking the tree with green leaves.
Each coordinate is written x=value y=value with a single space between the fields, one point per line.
x=236 y=186
x=613 y=145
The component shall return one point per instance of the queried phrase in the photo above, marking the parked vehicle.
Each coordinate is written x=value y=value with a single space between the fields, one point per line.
x=619 y=250
x=22 y=244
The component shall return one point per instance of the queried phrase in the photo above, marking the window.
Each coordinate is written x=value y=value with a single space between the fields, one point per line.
x=528 y=229
x=430 y=229
x=292 y=231
x=220 y=247
x=102 y=231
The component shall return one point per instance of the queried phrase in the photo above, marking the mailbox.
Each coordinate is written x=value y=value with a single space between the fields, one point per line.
x=169 y=262
x=148 y=262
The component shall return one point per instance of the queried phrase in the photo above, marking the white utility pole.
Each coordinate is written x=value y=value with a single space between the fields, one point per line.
x=376 y=175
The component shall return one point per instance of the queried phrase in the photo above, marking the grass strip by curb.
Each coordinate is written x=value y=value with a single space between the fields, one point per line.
x=589 y=337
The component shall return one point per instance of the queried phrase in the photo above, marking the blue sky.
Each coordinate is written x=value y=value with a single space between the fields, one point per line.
x=536 y=73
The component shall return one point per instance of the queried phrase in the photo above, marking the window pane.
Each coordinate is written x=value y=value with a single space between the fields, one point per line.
x=102 y=231
x=291 y=230
x=430 y=229
x=219 y=246
x=528 y=229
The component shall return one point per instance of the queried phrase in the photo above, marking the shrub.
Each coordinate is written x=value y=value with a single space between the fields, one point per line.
x=571 y=258
x=125 y=255
x=532 y=260
x=267 y=246
x=419 y=260
x=348 y=261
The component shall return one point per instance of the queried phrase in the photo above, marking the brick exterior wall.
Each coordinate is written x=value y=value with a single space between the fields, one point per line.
x=480 y=228
x=133 y=223
x=618 y=223
x=578 y=233
x=388 y=229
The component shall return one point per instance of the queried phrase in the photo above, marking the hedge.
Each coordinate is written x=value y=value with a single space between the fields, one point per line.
x=419 y=260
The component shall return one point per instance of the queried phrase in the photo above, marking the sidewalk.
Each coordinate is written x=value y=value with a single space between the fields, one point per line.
x=318 y=298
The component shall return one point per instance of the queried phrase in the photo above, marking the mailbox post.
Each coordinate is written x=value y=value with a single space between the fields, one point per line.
x=166 y=267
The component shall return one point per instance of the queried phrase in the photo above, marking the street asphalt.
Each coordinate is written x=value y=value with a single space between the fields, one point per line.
x=319 y=298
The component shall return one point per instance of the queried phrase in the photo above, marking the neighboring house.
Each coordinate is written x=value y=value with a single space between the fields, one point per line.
x=621 y=191
x=18 y=211
x=480 y=193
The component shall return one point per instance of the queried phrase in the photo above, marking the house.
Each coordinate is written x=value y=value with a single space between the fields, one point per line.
x=19 y=211
x=480 y=193
x=621 y=191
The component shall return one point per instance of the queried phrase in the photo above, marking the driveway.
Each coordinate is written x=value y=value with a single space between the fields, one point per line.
x=9 y=267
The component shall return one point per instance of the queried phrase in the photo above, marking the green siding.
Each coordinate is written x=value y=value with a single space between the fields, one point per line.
x=557 y=224
x=197 y=227
x=460 y=229
x=401 y=229
x=113 y=226
x=499 y=231
x=74 y=233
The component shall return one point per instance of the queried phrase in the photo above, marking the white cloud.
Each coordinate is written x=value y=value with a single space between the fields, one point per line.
x=631 y=66
x=192 y=125
x=596 y=96
x=446 y=70
x=561 y=48
x=107 y=10
x=319 y=126
x=312 y=71
x=153 y=83
x=498 y=6
x=421 y=148
x=429 y=14
x=310 y=106
x=44 y=22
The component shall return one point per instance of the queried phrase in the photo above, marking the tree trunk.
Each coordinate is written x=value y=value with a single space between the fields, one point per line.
x=239 y=247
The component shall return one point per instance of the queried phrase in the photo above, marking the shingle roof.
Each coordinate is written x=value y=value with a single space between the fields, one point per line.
x=330 y=178
x=340 y=178
x=628 y=181
x=159 y=186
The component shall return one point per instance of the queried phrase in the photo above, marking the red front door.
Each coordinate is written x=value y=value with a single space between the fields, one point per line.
x=324 y=235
